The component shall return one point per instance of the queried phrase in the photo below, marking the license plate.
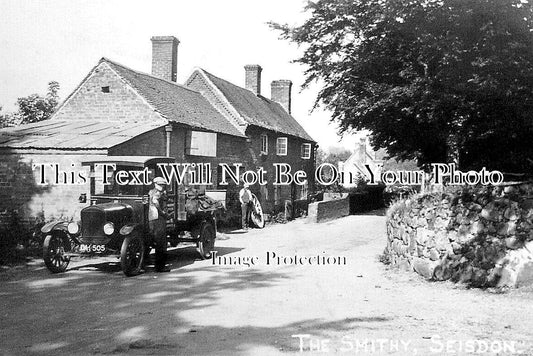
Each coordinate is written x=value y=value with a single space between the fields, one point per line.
x=92 y=248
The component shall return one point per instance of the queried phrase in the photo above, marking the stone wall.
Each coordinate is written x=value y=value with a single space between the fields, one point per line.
x=328 y=210
x=481 y=236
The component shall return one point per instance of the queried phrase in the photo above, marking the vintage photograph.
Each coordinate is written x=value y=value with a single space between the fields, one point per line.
x=266 y=177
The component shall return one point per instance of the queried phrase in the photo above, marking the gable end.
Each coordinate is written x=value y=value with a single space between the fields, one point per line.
x=105 y=96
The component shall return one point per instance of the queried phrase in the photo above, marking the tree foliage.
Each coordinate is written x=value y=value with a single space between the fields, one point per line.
x=334 y=155
x=6 y=119
x=428 y=78
x=34 y=107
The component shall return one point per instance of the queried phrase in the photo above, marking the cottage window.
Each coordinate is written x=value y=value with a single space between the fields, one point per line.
x=264 y=144
x=306 y=150
x=198 y=143
x=281 y=146
x=105 y=89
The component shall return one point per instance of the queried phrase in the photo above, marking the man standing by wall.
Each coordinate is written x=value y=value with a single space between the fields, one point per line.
x=245 y=197
x=157 y=220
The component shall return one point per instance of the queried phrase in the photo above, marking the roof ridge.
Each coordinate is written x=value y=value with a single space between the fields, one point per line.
x=238 y=86
x=138 y=82
x=105 y=59
x=132 y=86
x=227 y=81
x=218 y=93
x=291 y=127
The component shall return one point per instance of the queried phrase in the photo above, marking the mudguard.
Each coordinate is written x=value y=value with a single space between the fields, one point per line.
x=54 y=225
x=127 y=229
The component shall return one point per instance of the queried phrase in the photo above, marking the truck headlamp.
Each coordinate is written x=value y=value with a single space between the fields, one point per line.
x=73 y=228
x=109 y=228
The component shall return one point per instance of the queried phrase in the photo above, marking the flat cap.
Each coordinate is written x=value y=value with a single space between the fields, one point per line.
x=160 y=181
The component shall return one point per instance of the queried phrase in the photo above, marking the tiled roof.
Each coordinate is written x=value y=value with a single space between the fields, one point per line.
x=71 y=134
x=258 y=110
x=175 y=102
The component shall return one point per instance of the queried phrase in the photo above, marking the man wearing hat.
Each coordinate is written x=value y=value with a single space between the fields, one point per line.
x=157 y=221
x=245 y=197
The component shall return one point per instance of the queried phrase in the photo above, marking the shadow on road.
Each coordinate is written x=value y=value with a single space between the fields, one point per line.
x=176 y=258
x=216 y=339
x=111 y=310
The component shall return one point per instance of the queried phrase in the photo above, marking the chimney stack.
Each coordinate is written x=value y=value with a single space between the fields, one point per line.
x=253 y=78
x=280 y=91
x=165 y=57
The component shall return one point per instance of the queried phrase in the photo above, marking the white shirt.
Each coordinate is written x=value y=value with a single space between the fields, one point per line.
x=245 y=196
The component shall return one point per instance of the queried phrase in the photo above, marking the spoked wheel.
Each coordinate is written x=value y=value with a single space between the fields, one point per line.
x=132 y=255
x=54 y=248
x=257 y=216
x=206 y=242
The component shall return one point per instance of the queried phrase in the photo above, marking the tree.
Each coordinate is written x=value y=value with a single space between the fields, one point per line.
x=6 y=119
x=432 y=80
x=34 y=107
x=333 y=155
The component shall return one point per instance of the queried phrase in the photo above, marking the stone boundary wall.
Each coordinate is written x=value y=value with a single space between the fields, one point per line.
x=481 y=236
x=328 y=210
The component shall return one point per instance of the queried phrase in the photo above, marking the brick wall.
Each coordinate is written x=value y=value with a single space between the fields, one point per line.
x=122 y=104
x=21 y=194
x=293 y=158
x=256 y=159
x=151 y=143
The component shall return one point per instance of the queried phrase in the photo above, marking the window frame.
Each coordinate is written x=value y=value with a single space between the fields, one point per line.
x=264 y=144
x=278 y=141
x=302 y=151
x=304 y=190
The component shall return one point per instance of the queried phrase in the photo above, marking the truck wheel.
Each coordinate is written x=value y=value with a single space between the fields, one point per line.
x=54 y=248
x=257 y=216
x=206 y=240
x=132 y=255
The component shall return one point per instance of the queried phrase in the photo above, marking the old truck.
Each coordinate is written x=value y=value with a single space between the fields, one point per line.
x=116 y=221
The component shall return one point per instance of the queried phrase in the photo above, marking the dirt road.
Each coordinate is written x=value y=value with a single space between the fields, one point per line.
x=229 y=308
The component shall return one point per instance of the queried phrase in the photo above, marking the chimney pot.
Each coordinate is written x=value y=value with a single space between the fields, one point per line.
x=165 y=57
x=253 y=78
x=280 y=91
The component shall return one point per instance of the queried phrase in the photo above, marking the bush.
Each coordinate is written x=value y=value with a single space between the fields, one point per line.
x=18 y=241
x=366 y=197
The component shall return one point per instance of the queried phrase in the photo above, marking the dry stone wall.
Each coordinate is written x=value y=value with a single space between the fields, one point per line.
x=481 y=236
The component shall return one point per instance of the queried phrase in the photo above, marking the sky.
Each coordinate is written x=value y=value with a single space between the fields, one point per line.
x=62 y=40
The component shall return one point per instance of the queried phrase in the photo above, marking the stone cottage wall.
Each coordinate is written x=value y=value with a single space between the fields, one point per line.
x=480 y=236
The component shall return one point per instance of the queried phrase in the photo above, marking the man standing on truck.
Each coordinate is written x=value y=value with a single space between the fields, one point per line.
x=245 y=197
x=157 y=221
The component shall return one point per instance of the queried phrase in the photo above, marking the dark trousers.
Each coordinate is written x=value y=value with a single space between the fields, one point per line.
x=246 y=210
x=158 y=229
